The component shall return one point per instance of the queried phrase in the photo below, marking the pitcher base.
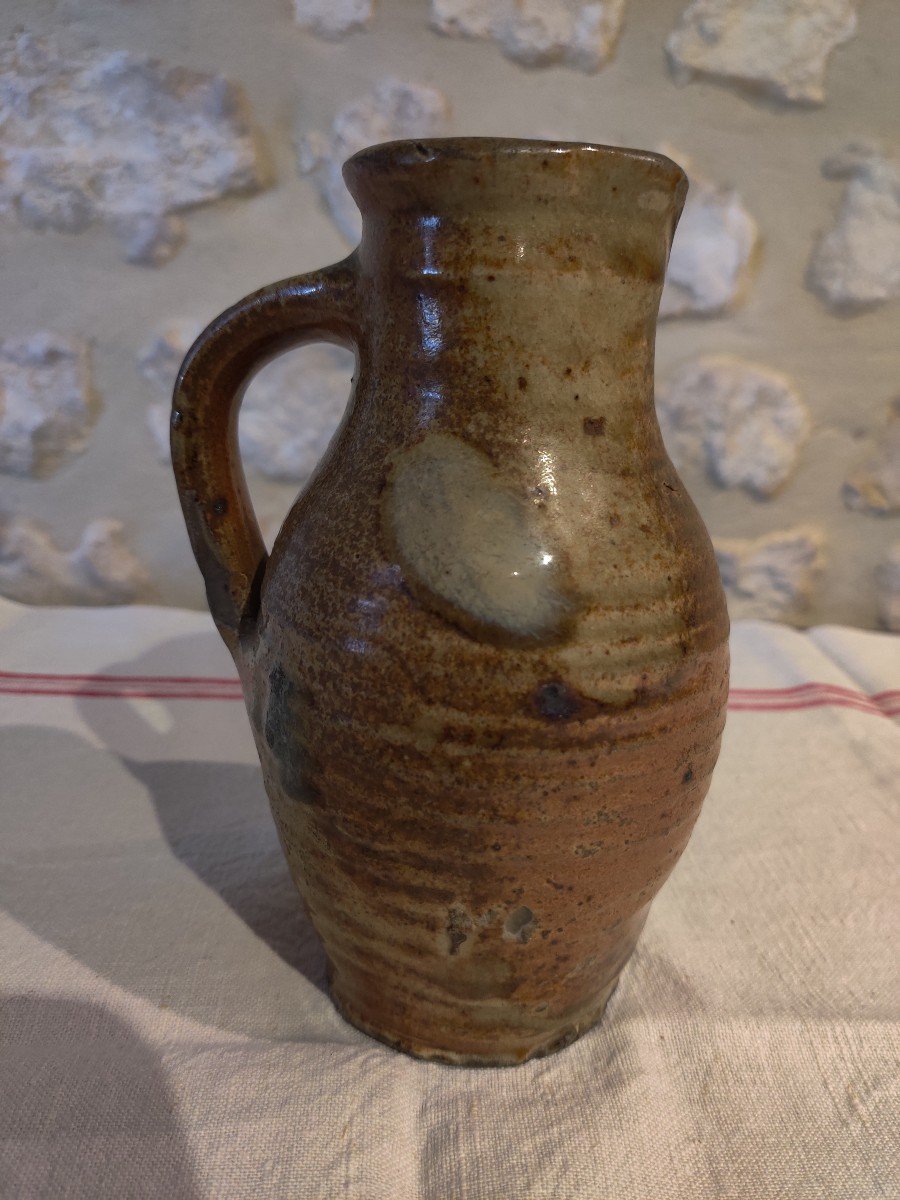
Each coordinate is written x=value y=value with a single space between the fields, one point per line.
x=516 y=1055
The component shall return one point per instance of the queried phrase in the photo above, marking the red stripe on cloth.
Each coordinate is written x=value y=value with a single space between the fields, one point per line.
x=128 y=687
x=788 y=705
x=814 y=695
x=119 y=693
x=800 y=688
x=199 y=687
x=192 y=679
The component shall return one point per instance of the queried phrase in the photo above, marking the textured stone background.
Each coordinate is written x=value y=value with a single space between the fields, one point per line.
x=137 y=199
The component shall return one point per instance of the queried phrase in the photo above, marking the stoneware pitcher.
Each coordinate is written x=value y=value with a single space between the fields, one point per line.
x=486 y=661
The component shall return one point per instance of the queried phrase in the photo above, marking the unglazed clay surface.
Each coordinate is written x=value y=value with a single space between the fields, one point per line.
x=486 y=662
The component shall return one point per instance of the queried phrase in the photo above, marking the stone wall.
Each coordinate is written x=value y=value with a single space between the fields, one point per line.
x=157 y=161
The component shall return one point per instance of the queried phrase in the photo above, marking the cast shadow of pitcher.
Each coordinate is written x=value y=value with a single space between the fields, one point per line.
x=86 y=1107
x=206 y=922
x=214 y=815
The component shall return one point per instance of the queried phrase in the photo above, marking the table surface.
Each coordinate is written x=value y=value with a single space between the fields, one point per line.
x=165 y=1031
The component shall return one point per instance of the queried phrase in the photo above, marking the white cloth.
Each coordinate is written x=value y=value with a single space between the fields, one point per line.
x=164 y=1032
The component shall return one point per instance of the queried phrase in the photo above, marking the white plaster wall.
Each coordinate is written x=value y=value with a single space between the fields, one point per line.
x=804 y=285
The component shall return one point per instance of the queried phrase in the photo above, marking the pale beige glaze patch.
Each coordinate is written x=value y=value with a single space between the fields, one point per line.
x=471 y=541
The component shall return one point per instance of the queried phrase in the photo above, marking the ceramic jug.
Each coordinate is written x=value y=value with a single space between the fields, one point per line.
x=486 y=661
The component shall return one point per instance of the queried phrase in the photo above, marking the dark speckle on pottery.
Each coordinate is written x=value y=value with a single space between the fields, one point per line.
x=555 y=701
x=520 y=924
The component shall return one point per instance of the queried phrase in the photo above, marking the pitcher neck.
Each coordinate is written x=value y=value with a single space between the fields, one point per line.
x=472 y=323
x=442 y=206
x=522 y=277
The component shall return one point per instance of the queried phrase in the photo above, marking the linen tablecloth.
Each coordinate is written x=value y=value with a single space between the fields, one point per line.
x=164 y=1030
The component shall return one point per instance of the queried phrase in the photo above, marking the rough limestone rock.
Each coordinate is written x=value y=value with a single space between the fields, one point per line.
x=159 y=362
x=875 y=484
x=772 y=577
x=537 y=33
x=288 y=415
x=101 y=135
x=393 y=109
x=887 y=578
x=333 y=18
x=712 y=254
x=152 y=240
x=778 y=47
x=857 y=263
x=164 y=353
x=745 y=422
x=47 y=406
x=100 y=570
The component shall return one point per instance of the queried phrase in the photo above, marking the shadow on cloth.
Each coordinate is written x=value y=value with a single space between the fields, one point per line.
x=86 y=1109
x=92 y=876
x=214 y=815
x=204 y=920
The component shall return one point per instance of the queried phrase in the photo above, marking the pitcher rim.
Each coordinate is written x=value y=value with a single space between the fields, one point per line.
x=407 y=152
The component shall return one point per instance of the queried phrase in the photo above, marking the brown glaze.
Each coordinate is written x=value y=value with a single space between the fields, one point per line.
x=486 y=663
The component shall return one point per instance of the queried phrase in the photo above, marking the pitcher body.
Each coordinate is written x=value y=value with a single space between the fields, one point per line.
x=486 y=661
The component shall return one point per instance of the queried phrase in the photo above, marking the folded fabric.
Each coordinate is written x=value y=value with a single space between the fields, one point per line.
x=165 y=1031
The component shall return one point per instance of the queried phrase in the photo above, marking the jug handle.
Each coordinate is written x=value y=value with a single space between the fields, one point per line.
x=224 y=534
